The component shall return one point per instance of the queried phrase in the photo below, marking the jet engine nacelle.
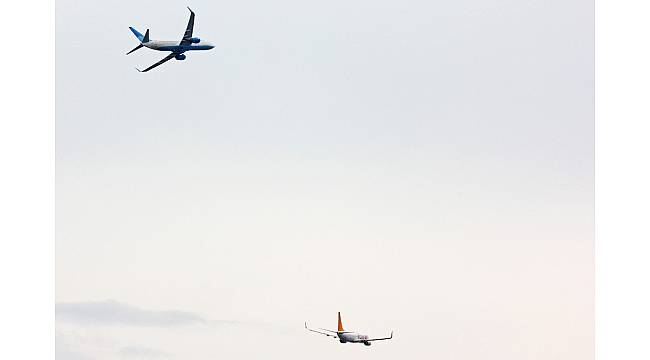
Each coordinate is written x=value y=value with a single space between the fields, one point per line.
x=195 y=40
x=367 y=343
x=180 y=57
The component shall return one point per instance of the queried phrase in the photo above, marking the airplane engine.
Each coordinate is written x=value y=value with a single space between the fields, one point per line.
x=180 y=57
x=367 y=343
x=195 y=40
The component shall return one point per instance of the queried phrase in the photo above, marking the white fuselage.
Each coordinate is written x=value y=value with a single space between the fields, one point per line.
x=176 y=46
x=352 y=337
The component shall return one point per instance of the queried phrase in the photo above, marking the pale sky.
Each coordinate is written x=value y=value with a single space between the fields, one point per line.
x=421 y=166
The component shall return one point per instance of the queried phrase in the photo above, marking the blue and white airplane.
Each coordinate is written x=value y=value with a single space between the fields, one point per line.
x=177 y=48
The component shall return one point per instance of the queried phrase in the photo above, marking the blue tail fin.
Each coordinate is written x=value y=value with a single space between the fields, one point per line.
x=137 y=34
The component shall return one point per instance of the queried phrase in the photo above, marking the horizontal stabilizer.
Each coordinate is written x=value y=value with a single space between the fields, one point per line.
x=136 y=48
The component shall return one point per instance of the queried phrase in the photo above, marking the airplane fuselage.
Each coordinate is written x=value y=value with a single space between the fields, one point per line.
x=176 y=46
x=352 y=337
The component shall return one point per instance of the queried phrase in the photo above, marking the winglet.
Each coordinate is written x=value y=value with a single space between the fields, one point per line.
x=138 y=69
x=188 y=8
x=391 y=334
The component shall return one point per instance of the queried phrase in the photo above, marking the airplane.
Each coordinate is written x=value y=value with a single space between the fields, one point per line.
x=177 y=48
x=348 y=336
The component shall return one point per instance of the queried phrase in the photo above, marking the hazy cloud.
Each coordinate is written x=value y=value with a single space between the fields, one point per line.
x=111 y=312
x=67 y=347
x=64 y=352
x=142 y=352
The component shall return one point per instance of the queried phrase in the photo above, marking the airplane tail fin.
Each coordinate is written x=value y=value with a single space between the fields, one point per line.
x=340 y=323
x=137 y=34
x=146 y=37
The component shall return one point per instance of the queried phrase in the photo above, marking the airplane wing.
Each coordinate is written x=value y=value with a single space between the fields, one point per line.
x=320 y=332
x=332 y=331
x=167 y=58
x=384 y=338
x=189 y=30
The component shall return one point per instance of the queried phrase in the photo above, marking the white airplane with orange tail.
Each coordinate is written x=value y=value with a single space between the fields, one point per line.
x=348 y=336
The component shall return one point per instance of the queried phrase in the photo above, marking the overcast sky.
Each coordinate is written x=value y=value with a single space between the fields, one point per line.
x=420 y=166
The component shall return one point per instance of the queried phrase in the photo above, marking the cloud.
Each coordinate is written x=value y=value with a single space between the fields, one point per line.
x=66 y=347
x=76 y=345
x=142 y=352
x=65 y=352
x=111 y=312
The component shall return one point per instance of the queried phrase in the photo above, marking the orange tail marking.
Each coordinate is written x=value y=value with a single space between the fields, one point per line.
x=340 y=323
